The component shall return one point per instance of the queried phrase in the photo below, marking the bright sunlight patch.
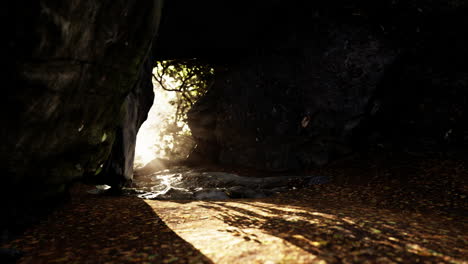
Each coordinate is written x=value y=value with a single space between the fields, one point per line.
x=165 y=134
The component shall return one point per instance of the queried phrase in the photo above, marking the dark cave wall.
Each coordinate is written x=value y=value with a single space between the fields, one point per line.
x=72 y=85
x=118 y=169
x=391 y=74
x=257 y=107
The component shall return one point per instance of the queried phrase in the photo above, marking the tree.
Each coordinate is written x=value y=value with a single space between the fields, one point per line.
x=192 y=80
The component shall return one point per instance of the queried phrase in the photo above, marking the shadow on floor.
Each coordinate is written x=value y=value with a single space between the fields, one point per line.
x=104 y=229
x=349 y=234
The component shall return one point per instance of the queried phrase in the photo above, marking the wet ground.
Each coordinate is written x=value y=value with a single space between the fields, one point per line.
x=185 y=183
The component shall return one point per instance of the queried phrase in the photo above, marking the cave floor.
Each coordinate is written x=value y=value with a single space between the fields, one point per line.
x=333 y=223
x=296 y=227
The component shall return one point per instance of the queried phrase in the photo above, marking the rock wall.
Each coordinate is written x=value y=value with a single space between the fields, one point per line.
x=289 y=108
x=119 y=167
x=325 y=78
x=71 y=85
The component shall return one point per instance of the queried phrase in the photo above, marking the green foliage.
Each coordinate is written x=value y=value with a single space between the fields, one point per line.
x=192 y=80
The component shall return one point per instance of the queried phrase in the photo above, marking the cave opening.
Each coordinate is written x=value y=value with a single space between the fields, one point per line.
x=165 y=135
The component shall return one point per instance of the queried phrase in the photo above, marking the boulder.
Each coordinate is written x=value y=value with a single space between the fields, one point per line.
x=74 y=84
x=210 y=195
x=324 y=78
x=290 y=108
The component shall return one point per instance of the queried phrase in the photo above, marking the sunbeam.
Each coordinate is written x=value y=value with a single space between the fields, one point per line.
x=151 y=141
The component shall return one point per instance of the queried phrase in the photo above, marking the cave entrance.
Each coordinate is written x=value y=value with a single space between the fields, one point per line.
x=177 y=85
x=165 y=138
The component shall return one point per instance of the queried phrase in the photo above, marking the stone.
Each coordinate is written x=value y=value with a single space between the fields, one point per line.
x=318 y=180
x=210 y=195
x=239 y=192
x=330 y=78
x=119 y=166
x=75 y=84
x=185 y=184
x=100 y=189
x=173 y=194
x=253 y=116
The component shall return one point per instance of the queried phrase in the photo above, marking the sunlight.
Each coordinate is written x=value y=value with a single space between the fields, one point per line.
x=260 y=232
x=150 y=143
x=202 y=224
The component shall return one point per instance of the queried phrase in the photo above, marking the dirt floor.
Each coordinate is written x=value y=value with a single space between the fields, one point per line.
x=392 y=218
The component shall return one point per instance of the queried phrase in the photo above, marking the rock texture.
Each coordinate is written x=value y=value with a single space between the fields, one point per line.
x=285 y=109
x=327 y=77
x=181 y=183
x=73 y=91
x=119 y=167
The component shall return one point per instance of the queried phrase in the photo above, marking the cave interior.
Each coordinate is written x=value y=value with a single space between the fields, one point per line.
x=347 y=96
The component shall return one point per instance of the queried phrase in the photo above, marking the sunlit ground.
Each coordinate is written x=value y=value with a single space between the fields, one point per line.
x=289 y=228
x=150 y=142
x=270 y=232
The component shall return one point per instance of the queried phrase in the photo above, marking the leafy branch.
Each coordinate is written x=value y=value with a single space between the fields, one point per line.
x=191 y=81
